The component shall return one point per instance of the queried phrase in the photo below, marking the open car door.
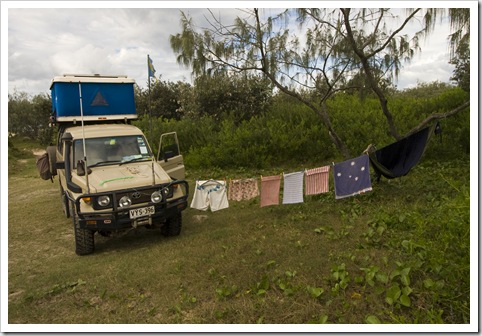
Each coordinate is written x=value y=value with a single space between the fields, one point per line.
x=169 y=156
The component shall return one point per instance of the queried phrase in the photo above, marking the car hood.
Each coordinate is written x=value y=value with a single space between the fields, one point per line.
x=115 y=177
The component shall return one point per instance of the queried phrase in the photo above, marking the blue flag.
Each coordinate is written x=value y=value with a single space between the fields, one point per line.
x=150 y=67
x=352 y=177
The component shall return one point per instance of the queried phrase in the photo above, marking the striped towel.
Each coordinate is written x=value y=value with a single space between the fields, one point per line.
x=293 y=188
x=270 y=187
x=316 y=181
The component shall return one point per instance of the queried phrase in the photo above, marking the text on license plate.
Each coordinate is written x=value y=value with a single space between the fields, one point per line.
x=141 y=212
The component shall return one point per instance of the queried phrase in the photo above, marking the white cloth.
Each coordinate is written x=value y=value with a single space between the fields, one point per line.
x=293 y=188
x=210 y=194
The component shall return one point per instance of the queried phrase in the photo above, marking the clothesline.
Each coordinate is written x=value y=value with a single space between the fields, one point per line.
x=351 y=177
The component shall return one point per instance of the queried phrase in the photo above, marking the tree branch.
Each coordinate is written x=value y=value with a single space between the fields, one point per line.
x=437 y=116
x=376 y=51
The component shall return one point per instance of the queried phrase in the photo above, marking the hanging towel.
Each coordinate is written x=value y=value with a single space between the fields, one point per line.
x=200 y=200
x=293 y=188
x=352 y=177
x=398 y=158
x=245 y=189
x=270 y=187
x=316 y=180
x=210 y=194
x=250 y=188
x=234 y=190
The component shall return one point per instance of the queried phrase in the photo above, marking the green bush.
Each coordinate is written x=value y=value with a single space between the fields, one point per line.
x=291 y=133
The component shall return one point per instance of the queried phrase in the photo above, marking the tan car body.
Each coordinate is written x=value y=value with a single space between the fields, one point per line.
x=138 y=180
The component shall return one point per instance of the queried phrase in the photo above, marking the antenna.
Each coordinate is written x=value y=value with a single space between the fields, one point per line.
x=150 y=115
x=83 y=140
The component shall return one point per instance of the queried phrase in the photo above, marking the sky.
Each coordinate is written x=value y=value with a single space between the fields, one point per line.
x=45 y=41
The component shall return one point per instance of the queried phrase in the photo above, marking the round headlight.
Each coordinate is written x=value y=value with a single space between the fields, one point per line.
x=124 y=202
x=156 y=197
x=103 y=201
x=165 y=192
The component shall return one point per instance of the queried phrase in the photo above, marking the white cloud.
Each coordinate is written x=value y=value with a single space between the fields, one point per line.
x=431 y=64
x=425 y=70
x=47 y=42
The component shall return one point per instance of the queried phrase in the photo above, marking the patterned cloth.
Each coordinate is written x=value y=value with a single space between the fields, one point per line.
x=245 y=189
x=352 y=177
x=316 y=180
x=210 y=194
x=270 y=187
x=293 y=188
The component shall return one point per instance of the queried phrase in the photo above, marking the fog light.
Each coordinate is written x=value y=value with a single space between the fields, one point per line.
x=167 y=192
x=125 y=202
x=156 y=197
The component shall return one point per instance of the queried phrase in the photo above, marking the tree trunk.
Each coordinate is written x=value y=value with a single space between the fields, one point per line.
x=322 y=112
x=368 y=71
x=381 y=97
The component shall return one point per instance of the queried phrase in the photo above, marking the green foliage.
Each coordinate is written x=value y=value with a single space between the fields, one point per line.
x=372 y=319
x=341 y=277
x=291 y=133
x=29 y=117
x=239 y=97
x=162 y=100
x=217 y=97
x=461 y=61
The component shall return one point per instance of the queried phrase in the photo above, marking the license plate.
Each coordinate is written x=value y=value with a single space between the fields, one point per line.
x=141 y=212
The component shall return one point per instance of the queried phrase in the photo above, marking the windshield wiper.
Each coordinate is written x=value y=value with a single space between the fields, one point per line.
x=134 y=159
x=102 y=163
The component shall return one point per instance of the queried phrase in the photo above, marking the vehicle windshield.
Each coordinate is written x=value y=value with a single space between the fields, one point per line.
x=113 y=150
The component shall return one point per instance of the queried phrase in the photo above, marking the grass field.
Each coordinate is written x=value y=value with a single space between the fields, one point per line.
x=399 y=254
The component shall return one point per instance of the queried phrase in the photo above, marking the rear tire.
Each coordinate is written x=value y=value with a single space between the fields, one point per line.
x=84 y=239
x=173 y=226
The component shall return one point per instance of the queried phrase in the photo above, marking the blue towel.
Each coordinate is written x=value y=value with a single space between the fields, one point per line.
x=352 y=177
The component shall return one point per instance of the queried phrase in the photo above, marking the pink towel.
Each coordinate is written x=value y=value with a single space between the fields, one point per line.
x=270 y=187
x=316 y=181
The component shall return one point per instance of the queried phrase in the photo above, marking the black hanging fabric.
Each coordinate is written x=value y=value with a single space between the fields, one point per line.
x=397 y=159
x=438 y=130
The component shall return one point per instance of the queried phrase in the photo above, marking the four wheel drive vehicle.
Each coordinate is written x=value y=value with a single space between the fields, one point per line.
x=110 y=180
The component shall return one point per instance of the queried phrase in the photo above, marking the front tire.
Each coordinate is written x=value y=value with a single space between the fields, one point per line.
x=84 y=239
x=173 y=226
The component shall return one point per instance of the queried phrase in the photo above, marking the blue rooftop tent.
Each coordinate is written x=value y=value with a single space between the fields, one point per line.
x=398 y=158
